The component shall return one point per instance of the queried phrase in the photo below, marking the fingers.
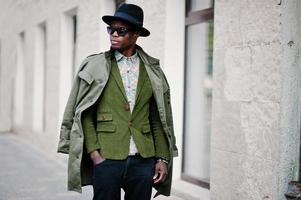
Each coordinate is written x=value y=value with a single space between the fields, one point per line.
x=95 y=154
x=96 y=157
x=155 y=176
x=160 y=178
x=160 y=173
x=98 y=161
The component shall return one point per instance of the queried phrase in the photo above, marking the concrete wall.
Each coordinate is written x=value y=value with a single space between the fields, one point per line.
x=255 y=133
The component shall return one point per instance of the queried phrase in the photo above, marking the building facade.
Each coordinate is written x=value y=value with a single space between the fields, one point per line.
x=233 y=68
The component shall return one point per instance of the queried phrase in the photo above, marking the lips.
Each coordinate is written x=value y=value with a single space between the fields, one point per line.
x=114 y=42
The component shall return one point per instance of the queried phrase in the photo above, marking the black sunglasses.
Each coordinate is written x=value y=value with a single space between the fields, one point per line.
x=121 y=31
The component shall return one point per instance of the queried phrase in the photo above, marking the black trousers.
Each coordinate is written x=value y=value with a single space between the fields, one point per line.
x=134 y=175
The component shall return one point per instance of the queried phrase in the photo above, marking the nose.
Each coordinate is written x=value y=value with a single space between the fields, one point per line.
x=114 y=34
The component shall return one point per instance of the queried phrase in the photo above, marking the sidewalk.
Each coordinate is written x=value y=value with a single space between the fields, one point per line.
x=26 y=174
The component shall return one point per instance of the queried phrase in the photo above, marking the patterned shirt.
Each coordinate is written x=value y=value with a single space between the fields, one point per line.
x=129 y=71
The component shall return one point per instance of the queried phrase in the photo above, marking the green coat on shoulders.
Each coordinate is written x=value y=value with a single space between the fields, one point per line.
x=87 y=87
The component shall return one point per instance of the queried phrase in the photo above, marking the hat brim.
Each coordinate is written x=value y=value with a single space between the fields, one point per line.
x=108 y=20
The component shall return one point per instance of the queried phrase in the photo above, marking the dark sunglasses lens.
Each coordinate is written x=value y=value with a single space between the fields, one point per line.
x=121 y=31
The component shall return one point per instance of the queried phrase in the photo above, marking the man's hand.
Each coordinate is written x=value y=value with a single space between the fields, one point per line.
x=96 y=157
x=160 y=172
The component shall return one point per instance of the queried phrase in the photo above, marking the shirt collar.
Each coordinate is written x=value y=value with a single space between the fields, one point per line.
x=119 y=56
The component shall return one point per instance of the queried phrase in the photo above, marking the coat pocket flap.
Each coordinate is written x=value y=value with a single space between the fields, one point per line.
x=106 y=128
x=86 y=76
x=104 y=117
x=146 y=129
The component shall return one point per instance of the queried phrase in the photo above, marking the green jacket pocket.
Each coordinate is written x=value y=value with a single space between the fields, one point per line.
x=145 y=129
x=103 y=117
x=110 y=128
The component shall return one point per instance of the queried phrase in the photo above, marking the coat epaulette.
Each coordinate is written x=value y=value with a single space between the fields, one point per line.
x=92 y=55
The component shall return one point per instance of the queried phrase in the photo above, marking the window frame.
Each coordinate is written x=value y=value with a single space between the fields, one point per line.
x=193 y=17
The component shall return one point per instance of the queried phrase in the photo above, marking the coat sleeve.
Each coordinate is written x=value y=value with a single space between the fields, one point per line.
x=88 y=123
x=161 y=143
x=64 y=138
x=168 y=110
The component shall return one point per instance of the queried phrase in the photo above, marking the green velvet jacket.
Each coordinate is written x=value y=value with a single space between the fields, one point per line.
x=88 y=86
x=109 y=124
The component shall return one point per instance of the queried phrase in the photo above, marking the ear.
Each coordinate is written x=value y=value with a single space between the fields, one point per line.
x=137 y=34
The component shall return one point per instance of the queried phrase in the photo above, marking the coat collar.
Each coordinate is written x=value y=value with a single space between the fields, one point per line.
x=119 y=56
x=99 y=66
x=147 y=59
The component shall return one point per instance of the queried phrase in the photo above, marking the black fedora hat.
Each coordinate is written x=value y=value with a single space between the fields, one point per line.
x=130 y=13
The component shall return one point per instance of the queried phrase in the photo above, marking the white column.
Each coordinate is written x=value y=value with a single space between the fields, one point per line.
x=18 y=97
x=67 y=68
x=174 y=68
x=39 y=86
x=106 y=7
x=256 y=128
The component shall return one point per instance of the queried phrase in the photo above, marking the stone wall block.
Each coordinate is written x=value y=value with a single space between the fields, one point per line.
x=291 y=72
x=247 y=22
x=250 y=177
x=222 y=163
x=260 y=124
x=238 y=81
x=226 y=130
x=266 y=74
x=227 y=24
x=259 y=181
x=259 y=21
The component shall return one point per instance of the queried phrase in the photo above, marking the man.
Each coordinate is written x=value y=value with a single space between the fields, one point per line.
x=117 y=126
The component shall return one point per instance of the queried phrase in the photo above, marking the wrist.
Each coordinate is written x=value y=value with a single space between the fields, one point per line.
x=164 y=160
x=95 y=154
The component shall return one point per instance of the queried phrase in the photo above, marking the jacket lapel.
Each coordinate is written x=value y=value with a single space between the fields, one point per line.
x=116 y=75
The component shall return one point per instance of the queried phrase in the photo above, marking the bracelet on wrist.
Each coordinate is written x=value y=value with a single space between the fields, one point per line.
x=162 y=160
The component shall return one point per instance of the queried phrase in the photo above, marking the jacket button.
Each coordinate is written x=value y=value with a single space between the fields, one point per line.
x=126 y=106
x=130 y=124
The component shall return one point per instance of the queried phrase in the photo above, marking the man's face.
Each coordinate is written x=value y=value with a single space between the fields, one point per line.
x=123 y=42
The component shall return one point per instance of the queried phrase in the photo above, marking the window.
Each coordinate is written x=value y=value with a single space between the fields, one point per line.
x=39 y=86
x=198 y=92
x=18 y=95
